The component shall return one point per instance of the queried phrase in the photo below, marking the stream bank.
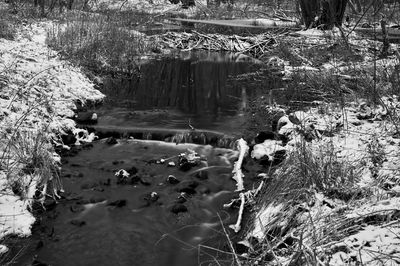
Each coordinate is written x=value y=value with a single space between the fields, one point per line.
x=38 y=96
x=341 y=169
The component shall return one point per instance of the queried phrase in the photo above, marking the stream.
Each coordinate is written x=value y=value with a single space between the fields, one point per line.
x=169 y=210
x=174 y=95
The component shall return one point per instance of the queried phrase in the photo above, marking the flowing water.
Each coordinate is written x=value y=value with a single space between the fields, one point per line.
x=146 y=219
x=103 y=221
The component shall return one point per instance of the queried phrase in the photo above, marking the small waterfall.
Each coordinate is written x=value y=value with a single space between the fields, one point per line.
x=202 y=137
x=189 y=137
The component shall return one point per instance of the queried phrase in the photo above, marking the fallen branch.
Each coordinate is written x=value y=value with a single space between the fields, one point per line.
x=237 y=168
x=236 y=227
x=249 y=196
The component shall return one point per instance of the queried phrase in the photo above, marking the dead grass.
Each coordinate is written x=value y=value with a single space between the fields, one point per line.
x=303 y=221
x=99 y=43
x=8 y=24
x=31 y=155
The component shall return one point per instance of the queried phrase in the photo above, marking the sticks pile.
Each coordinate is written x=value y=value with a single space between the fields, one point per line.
x=256 y=46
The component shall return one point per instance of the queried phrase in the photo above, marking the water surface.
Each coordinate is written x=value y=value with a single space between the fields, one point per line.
x=180 y=92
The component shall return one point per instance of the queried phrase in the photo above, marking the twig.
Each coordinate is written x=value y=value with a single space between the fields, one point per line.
x=229 y=242
x=236 y=227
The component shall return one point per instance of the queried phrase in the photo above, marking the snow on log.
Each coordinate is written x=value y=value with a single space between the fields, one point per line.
x=236 y=227
x=237 y=168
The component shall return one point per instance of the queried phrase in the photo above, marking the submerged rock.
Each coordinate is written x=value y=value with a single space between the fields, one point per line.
x=264 y=135
x=90 y=185
x=150 y=198
x=50 y=204
x=37 y=262
x=118 y=203
x=86 y=117
x=188 y=187
x=179 y=207
x=182 y=198
x=145 y=181
x=133 y=170
x=78 y=223
x=202 y=175
x=68 y=138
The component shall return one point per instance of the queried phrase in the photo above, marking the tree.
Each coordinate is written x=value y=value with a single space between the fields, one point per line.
x=322 y=13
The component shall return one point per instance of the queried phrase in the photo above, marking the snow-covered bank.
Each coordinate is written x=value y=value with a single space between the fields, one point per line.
x=337 y=193
x=38 y=92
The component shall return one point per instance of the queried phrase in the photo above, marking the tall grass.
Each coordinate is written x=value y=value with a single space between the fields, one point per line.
x=8 y=24
x=27 y=155
x=298 y=228
x=99 y=42
x=31 y=156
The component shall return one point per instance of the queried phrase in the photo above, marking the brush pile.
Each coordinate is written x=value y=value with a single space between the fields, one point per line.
x=255 y=46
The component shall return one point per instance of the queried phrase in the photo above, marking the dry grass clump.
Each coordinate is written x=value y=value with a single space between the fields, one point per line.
x=99 y=42
x=306 y=87
x=30 y=162
x=358 y=83
x=304 y=203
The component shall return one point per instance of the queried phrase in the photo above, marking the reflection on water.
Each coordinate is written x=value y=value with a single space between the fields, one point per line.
x=176 y=91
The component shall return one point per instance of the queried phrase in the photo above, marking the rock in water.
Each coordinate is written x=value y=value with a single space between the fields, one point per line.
x=172 y=180
x=111 y=141
x=86 y=117
x=150 y=198
x=264 y=135
x=122 y=176
x=69 y=138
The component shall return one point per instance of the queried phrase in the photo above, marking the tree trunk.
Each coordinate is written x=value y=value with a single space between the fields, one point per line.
x=309 y=10
x=323 y=13
x=332 y=13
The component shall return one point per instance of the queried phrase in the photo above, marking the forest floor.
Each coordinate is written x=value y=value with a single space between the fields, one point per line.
x=333 y=200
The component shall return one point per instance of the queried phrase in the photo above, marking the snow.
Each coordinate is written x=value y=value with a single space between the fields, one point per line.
x=38 y=97
x=360 y=136
x=372 y=245
x=267 y=148
x=263 y=218
x=122 y=173
x=154 y=6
